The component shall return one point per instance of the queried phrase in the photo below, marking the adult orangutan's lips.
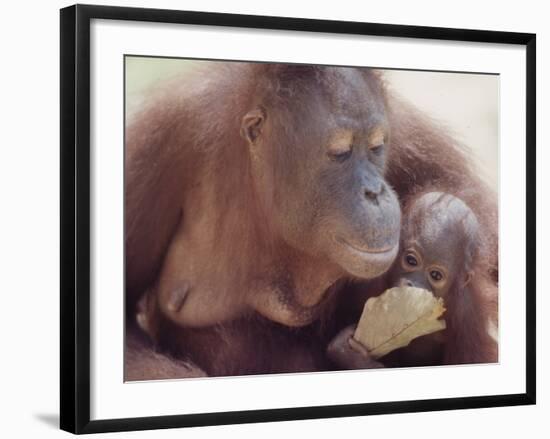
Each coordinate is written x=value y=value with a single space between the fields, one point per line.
x=368 y=251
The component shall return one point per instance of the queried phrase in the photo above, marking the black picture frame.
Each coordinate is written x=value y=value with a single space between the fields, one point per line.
x=75 y=216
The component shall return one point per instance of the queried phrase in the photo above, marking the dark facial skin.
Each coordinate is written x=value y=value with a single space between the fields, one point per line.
x=343 y=209
x=439 y=229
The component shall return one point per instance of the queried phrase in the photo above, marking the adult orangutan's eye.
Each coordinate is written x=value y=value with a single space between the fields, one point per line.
x=377 y=149
x=340 y=154
x=340 y=145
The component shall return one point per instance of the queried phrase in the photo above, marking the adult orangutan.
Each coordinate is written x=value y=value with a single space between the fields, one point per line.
x=254 y=191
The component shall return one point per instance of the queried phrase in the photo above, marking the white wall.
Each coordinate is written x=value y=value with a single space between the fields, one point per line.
x=29 y=237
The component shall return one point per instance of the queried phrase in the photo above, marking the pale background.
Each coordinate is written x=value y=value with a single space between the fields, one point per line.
x=29 y=185
x=466 y=104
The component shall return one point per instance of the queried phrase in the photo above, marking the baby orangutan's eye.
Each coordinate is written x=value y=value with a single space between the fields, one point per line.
x=436 y=275
x=411 y=260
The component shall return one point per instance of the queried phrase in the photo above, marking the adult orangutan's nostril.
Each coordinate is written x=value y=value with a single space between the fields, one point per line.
x=373 y=190
x=372 y=194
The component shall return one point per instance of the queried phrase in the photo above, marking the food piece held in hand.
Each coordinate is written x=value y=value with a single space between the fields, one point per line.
x=396 y=317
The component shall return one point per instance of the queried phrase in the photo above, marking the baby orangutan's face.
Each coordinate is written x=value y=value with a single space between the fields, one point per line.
x=437 y=230
x=416 y=268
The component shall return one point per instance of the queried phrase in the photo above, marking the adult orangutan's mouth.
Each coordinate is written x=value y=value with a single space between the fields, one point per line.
x=367 y=251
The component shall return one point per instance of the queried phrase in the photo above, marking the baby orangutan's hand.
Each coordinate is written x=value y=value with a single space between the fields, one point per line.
x=348 y=353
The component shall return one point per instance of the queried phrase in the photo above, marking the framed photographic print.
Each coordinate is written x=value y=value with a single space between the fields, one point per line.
x=267 y=218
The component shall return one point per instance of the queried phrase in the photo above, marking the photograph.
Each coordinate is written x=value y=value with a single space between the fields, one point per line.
x=288 y=218
x=270 y=219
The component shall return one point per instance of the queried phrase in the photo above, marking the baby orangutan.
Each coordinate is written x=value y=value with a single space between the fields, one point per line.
x=441 y=251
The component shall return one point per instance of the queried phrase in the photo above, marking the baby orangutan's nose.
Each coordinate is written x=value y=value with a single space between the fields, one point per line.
x=415 y=280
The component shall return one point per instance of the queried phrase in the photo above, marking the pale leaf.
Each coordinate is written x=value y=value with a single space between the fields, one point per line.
x=396 y=317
